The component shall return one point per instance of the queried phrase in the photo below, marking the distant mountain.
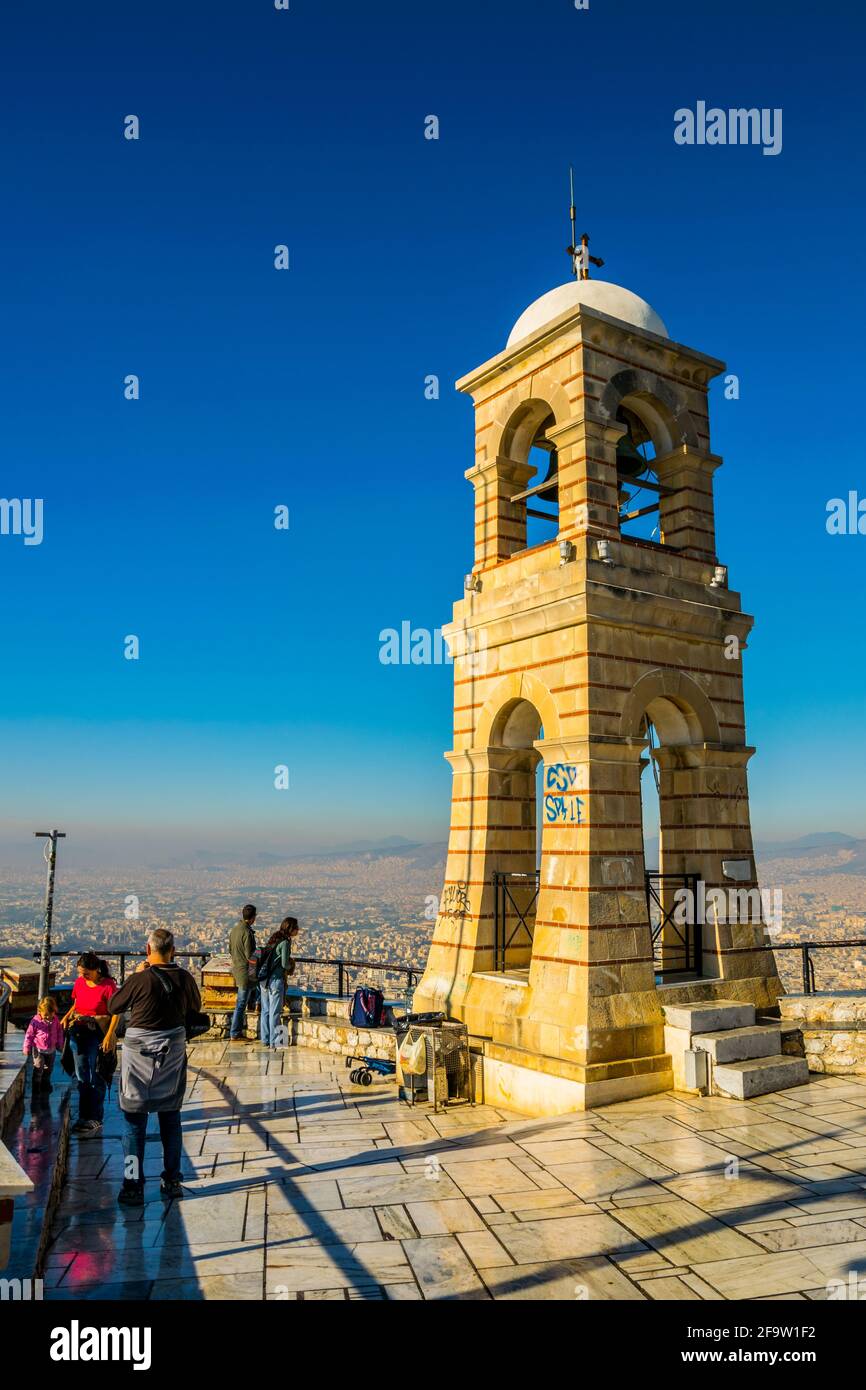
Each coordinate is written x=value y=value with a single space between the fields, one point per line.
x=390 y=842
x=848 y=855
x=817 y=845
x=394 y=847
x=219 y=862
x=846 y=851
x=819 y=841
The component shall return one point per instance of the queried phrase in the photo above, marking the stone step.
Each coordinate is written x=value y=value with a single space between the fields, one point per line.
x=741 y=1080
x=710 y=1017
x=740 y=1044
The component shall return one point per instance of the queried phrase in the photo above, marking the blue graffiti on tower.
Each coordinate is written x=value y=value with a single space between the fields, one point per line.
x=562 y=805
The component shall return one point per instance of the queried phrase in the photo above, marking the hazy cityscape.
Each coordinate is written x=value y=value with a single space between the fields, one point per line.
x=380 y=906
x=367 y=907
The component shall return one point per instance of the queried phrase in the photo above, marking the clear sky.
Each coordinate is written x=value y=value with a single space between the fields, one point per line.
x=306 y=387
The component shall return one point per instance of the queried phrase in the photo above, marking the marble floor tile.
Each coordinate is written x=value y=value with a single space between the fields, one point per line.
x=603 y=1177
x=751 y=1188
x=684 y=1233
x=394 y=1222
x=443 y=1270
x=529 y=1242
x=487 y=1177
x=788 y=1237
x=341 y=1227
x=561 y=1151
x=302 y=1194
x=757 y=1275
x=483 y=1249
x=335 y=1266
x=564 y=1281
x=446 y=1217
x=670 y=1288
x=386 y=1189
x=690 y=1154
x=836 y=1261
x=228 y=1288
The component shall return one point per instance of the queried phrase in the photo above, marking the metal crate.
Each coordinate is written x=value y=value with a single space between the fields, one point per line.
x=448 y=1078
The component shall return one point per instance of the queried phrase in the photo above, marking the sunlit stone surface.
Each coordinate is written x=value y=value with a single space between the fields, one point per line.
x=301 y=1185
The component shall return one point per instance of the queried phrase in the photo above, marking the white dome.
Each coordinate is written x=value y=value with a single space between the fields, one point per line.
x=609 y=299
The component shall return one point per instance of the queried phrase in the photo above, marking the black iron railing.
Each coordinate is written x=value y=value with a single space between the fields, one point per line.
x=513 y=924
x=677 y=943
x=805 y=948
x=343 y=977
x=109 y=953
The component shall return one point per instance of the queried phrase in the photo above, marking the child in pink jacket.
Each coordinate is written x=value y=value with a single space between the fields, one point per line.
x=44 y=1037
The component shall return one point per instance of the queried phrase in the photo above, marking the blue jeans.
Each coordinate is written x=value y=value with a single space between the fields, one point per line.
x=244 y=999
x=135 y=1130
x=86 y=1043
x=273 y=996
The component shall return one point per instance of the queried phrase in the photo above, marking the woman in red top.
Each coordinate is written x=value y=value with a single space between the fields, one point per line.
x=92 y=1029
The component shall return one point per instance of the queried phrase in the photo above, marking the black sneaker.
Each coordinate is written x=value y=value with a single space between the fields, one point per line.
x=170 y=1187
x=131 y=1193
x=88 y=1129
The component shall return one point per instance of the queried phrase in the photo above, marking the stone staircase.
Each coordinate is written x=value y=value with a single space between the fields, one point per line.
x=719 y=1049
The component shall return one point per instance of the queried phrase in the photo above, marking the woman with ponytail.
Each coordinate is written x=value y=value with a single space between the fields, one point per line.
x=277 y=963
x=92 y=1029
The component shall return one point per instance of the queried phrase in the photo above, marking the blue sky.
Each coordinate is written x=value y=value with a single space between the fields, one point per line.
x=306 y=387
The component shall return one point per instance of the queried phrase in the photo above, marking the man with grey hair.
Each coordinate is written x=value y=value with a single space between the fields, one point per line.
x=159 y=996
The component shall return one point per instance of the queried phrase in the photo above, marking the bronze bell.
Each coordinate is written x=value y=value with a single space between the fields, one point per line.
x=630 y=463
x=549 y=491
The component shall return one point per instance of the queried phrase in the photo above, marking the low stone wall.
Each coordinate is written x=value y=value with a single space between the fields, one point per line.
x=13 y=1070
x=833 y=1026
x=322 y=1024
x=328 y=1035
x=58 y=1177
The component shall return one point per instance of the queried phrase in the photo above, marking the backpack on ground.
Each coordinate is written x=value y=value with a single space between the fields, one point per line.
x=368 y=1008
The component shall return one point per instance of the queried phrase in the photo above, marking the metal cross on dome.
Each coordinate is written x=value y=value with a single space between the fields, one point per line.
x=581 y=260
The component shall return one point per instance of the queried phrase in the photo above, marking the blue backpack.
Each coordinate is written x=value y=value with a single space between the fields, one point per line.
x=368 y=1008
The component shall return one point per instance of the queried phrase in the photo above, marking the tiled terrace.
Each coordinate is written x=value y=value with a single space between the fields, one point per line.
x=304 y=1186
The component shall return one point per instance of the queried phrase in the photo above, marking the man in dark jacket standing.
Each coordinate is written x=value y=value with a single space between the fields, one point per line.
x=242 y=944
x=159 y=996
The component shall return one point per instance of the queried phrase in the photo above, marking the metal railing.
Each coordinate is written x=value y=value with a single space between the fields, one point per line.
x=677 y=946
x=343 y=974
x=505 y=906
x=342 y=969
x=807 y=965
x=107 y=953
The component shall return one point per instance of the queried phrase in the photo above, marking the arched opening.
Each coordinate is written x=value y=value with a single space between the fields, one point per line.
x=650 y=802
x=516 y=863
x=535 y=506
x=670 y=712
x=638 y=486
x=658 y=424
x=542 y=496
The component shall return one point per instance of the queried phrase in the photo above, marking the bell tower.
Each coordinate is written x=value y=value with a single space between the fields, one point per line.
x=597 y=632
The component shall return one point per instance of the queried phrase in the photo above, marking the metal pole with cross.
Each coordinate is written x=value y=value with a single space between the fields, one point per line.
x=50 y=855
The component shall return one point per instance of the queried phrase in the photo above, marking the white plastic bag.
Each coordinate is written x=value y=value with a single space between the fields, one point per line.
x=413 y=1055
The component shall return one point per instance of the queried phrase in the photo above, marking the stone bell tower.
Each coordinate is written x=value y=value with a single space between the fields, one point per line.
x=605 y=644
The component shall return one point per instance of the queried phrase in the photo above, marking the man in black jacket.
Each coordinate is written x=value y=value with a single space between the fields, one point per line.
x=160 y=996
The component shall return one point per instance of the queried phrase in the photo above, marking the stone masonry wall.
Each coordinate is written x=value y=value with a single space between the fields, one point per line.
x=322 y=1024
x=833 y=1028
